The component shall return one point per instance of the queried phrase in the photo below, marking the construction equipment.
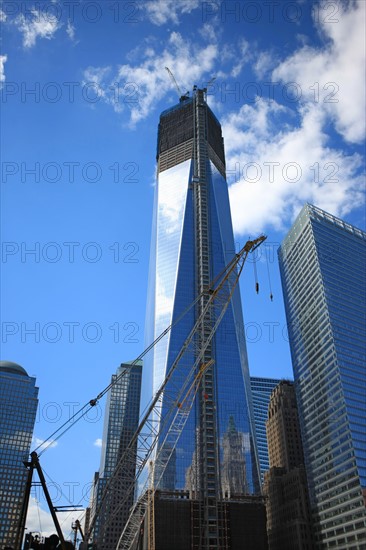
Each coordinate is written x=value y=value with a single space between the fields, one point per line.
x=182 y=97
x=32 y=465
x=76 y=527
x=206 y=88
x=145 y=440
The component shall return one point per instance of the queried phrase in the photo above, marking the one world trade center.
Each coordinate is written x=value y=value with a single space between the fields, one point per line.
x=192 y=242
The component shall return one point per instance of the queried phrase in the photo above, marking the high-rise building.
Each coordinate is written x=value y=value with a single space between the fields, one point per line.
x=192 y=243
x=283 y=428
x=18 y=408
x=261 y=392
x=322 y=263
x=285 y=485
x=120 y=423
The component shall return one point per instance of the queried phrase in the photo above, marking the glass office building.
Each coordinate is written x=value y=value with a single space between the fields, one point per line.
x=120 y=423
x=261 y=393
x=322 y=263
x=18 y=408
x=192 y=242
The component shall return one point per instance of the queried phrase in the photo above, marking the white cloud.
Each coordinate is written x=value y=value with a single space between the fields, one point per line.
x=162 y=11
x=306 y=168
x=95 y=79
x=39 y=443
x=188 y=62
x=97 y=76
x=142 y=86
x=98 y=442
x=265 y=62
x=39 y=25
x=241 y=56
x=209 y=32
x=3 y=60
x=40 y=520
x=3 y=16
x=334 y=76
x=70 y=30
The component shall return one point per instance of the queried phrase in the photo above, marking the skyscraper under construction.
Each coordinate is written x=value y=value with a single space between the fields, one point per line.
x=216 y=457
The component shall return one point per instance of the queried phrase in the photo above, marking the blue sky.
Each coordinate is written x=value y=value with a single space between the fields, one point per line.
x=83 y=84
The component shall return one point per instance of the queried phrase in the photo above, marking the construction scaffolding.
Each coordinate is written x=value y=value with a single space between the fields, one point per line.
x=208 y=482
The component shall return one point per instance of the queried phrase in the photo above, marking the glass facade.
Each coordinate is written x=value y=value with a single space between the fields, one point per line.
x=261 y=392
x=18 y=408
x=120 y=423
x=174 y=282
x=322 y=263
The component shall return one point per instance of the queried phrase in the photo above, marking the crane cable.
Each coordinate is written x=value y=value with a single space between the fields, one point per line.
x=38 y=511
x=51 y=441
x=255 y=275
x=46 y=474
x=269 y=275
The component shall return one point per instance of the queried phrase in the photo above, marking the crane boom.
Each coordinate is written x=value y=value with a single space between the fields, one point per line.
x=142 y=445
x=172 y=78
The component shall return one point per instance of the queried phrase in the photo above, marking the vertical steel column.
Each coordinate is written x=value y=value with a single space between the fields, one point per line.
x=208 y=453
x=25 y=504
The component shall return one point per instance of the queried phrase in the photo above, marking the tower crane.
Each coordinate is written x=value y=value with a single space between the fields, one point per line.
x=209 y=83
x=181 y=96
x=179 y=403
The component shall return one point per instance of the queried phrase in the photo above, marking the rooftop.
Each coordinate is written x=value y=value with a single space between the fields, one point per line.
x=12 y=368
